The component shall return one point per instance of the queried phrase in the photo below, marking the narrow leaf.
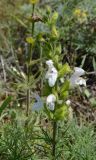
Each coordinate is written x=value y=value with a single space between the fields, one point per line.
x=5 y=104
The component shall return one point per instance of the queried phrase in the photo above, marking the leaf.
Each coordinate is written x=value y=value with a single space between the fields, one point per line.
x=65 y=94
x=54 y=17
x=5 y=104
x=83 y=61
x=58 y=50
x=61 y=112
x=93 y=102
x=19 y=21
x=94 y=64
x=47 y=90
x=54 y=32
x=65 y=86
x=87 y=93
x=64 y=70
x=47 y=137
x=48 y=112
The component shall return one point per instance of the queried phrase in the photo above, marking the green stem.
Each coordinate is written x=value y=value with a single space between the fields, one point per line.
x=29 y=67
x=54 y=140
x=33 y=24
x=41 y=65
x=28 y=102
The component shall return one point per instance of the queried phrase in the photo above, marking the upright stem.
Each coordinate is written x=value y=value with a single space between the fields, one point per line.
x=33 y=24
x=28 y=92
x=54 y=140
x=41 y=65
x=29 y=66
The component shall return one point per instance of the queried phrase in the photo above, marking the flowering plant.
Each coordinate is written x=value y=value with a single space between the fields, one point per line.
x=57 y=102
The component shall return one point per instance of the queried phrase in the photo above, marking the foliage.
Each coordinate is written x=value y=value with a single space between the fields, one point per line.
x=74 y=142
x=41 y=42
x=79 y=142
x=16 y=143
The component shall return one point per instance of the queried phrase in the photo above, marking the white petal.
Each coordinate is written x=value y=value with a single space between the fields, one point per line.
x=51 y=106
x=81 y=81
x=52 y=80
x=49 y=63
x=68 y=102
x=50 y=101
x=78 y=71
x=51 y=98
x=73 y=80
x=51 y=75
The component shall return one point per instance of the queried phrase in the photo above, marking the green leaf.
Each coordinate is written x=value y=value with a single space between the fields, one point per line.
x=93 y=102
x=54 y=17
x=5 y=104
x=61 y=113
x=48 y=112
x=47 y=136
x=19 y=21
x=47 y=90
x=87 y=93
x=64 y=70
x=83 y=61
x=65 y=86
x=64 y=94
x=54 y=32
x=94 y=64
x=58 y=50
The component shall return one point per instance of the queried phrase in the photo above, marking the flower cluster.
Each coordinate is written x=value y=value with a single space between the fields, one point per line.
x=51 y=76
x=78 y=12
x=80 y=15
x=33 y=1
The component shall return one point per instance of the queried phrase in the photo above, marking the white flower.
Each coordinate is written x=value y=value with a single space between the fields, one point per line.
x=39 y=104
x=78 y=71
x=50 y=101
x=81 y=81
x=49 y=63
x=51 y=74
x=68 y=102
x=76 y=79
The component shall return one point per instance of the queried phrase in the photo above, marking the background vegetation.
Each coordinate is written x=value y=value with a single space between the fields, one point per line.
x=26 y=135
